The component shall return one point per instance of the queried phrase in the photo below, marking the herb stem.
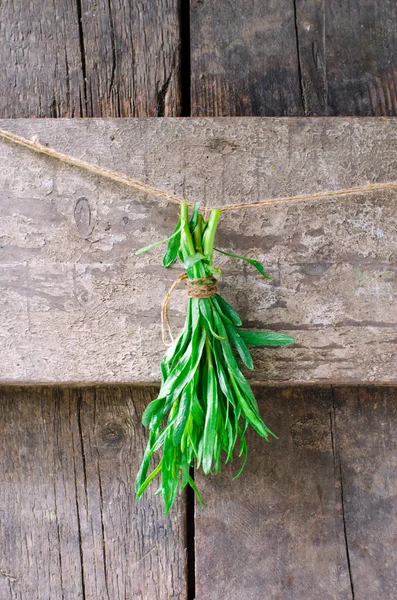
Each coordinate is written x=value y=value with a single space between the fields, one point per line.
x=209 y=235
x=185 y=228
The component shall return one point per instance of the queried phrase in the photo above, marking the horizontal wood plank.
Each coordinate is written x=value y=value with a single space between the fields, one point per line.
x=70 y=526
x=78 y=306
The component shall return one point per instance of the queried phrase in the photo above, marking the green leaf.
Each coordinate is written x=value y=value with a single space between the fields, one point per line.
x=214 y=270
x=142 y=473
x=241 y=348
x=185 y=369
x=197 y=411
x=231 y=362
x=225 y=310
x=182 y=414
x=251 y=415
x=211 y=421
x=173 y=246
x=221 y=374
x=151 y=409
x=185 y=468
x=192 y=259
x=244 y=451
x=265 y=338
x=151 y=246
x=205 y=309
x=178 y=348
x=152 y=475
x=193 y=221
x=195 y=489
x=170 y=473
x=251 y=261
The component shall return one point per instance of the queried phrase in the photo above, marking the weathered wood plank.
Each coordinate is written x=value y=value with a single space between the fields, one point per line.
x=132 y=58
x=77 y=305
x=276 y=531
x=244 y=59
x=89 y=59
x=361 y=57
x=366 y=434
x=69 y=523
x=300 y=57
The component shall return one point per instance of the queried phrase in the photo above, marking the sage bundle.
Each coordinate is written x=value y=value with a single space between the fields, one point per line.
x=205 y=403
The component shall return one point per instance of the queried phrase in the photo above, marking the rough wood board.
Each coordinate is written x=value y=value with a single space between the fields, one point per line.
x=78 y=306
x=70 y=526
x=366 y=434
x=277 y=531
x=293 y=57
x=82 y=58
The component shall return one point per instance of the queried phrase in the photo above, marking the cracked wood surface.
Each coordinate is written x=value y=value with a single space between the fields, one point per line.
x=79 y=306
x=70 y=526
x=85 y=58
x=293 y=57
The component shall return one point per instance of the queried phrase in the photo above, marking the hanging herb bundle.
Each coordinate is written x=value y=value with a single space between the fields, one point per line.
x=205 y=403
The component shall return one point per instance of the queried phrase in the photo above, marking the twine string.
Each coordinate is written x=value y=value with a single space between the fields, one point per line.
x=36 y=146
x=204 y=287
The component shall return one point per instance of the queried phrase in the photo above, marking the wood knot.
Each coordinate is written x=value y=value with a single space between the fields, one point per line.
x=83 y=217
x=113 y=435
x=311 y=432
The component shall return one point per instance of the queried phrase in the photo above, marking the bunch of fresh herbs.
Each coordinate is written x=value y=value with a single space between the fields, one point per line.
x=205 y=403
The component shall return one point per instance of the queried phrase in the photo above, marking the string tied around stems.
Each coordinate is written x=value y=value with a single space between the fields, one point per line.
x=203 y=287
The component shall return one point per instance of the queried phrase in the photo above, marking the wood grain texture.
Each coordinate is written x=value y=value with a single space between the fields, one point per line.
x=79 y=306
x=366 y=433
x=293 y=57
x=277 y=531
x=70 y=526
x=82 y=58
x=244 y=59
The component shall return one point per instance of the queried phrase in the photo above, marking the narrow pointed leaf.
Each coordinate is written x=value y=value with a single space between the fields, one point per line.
x=265 y=338
x=256 y=264
x=151 y=246
x=173 y=246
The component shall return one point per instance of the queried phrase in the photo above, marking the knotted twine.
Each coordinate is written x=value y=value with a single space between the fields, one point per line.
x=39 y=148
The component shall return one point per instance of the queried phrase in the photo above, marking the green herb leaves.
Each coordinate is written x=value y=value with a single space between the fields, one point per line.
x=205 y=403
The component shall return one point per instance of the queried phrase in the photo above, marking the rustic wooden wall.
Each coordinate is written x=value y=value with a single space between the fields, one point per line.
x=337 y=468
